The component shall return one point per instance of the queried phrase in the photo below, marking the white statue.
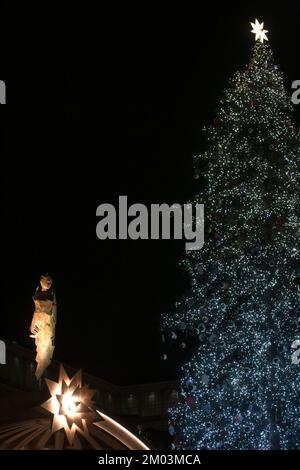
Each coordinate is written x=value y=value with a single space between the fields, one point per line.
x=43 y=323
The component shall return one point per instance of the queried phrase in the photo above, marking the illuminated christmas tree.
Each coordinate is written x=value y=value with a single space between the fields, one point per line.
x=239 y=389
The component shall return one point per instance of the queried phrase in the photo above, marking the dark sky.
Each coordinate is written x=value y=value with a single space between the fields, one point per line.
x=103 y=103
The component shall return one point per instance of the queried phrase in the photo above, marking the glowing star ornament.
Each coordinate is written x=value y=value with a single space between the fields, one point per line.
x=259 y=31
x=71 y=404
x=72 y=422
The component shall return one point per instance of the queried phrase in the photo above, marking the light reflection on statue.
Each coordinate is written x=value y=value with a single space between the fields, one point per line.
x=43 y=323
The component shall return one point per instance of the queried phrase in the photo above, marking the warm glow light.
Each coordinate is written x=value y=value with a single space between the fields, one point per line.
x=69 y=404
x=72 y=407
x=125 y=436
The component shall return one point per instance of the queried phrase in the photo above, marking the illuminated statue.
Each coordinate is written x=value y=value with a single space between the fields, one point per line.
x=43 y=323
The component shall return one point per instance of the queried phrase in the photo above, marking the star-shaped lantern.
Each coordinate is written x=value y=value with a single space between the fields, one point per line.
x=74 y=416
x=71 y=404
x=259 y=31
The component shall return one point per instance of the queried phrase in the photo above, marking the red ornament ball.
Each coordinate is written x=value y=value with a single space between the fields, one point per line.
x=279 y=222
x=191 y=401
x=238 y=419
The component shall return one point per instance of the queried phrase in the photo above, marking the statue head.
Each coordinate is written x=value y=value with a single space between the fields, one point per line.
x=46 y=281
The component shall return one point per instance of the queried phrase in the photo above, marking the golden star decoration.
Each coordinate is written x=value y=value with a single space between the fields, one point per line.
x=70 y=403
x=259 y=31
x=74 y=415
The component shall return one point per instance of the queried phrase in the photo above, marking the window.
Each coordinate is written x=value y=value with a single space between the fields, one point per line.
x=109 y=402
x=2 y=352
x=152 y=404
x=130 y=404
x=98 y=398
x=173 y=398
x=30 y=380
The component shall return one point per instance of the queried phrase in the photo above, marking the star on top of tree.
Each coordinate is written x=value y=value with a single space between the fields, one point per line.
x=259 y=31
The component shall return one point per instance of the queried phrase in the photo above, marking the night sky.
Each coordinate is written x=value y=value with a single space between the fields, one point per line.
x=103 y=103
